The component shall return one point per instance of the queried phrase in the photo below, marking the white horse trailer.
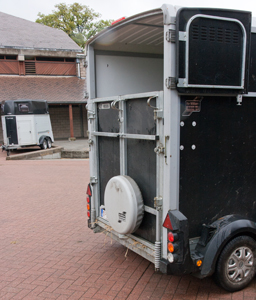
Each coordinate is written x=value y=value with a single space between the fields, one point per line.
x=26 y=123
x=171 y=111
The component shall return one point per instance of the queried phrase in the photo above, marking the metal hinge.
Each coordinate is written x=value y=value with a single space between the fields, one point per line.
x=170 y=83
x=171 y=36
x=160 y=149
x=158 y=203
x=93 y=180
x=158 y=114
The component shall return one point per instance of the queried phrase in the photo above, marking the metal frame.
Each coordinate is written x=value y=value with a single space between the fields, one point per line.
x=167 y=138
x=94 y=133
x=184 y=36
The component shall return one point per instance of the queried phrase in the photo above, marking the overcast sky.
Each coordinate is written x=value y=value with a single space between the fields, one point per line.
x=114 y=9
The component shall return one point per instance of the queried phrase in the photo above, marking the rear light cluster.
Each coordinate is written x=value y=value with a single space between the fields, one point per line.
x=174 y=242
x=175 y=237
x=173 y=246
x=88 y=204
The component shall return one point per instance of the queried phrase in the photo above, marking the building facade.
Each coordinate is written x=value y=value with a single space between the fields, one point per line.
x=40 y=62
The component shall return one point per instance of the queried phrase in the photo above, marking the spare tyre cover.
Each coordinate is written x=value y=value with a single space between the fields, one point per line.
x=124 y=204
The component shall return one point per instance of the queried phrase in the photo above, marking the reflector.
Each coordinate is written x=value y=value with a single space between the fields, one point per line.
x=88 y=206
x=89 y=191
x=88 y=200
x=167 y=222
x=88 y=214
x=114 y=22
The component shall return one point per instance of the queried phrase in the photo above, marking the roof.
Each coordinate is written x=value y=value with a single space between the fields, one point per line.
x=140 y=33
x=53 y=89
x=22 y=34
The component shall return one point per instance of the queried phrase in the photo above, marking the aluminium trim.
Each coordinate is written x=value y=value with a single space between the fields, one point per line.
x=138 y=136
x=185 y=83
x=105 y=224
x=150 y=210
x=126 y=135
x=250 y=95
x=126 y=97
x=107 y=134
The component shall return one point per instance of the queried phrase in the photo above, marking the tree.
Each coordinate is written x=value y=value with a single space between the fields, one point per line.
x=78 y=21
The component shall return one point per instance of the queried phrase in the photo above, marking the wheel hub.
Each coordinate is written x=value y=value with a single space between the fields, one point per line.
x=240 y=264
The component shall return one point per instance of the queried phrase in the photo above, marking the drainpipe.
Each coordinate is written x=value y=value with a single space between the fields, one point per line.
x=72 y=138
x=78 y=68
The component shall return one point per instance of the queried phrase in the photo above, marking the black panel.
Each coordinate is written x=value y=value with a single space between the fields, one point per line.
x=252 y=77
x=141 y=166
x=109 y=162
x=147 y=229
x=215 y=52
x=24 y=107
x=140 y=117
x=215 y=49
x=218 y=177
x=11 y=129
x=107 y=118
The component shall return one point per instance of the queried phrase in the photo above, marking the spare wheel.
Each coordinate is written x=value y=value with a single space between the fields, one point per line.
x=124 y=204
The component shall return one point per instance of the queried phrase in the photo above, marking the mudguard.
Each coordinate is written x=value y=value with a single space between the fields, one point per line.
x=42 y=138
x=226 y=229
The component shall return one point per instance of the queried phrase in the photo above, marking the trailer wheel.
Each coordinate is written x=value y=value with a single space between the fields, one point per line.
x=44 y=144
x=49 y=143
x=236 y=266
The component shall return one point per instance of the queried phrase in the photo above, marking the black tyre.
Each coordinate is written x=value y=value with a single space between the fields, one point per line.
x=236 y=265
x=44 y=144
x=49 y=143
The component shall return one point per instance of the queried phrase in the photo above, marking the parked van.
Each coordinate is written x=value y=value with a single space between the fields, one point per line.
x=26 y=123
x=172 y=133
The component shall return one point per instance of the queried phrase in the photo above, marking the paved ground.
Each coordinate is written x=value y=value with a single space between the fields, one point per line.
x=47 y=251
x=77 y=145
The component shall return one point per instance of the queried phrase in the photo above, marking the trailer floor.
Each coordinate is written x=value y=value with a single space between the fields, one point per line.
x=47 y=251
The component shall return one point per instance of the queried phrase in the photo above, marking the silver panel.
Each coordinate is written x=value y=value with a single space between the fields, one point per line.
x=119 y=75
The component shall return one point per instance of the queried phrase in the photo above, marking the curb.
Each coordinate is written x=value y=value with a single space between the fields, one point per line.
x=38 y=154
x=74 y=154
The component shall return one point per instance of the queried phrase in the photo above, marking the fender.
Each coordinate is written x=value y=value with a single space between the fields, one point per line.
x=226 y=228
x=42 y=137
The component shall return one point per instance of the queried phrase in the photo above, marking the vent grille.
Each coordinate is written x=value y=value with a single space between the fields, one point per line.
x=215 y=34
x=30 y=67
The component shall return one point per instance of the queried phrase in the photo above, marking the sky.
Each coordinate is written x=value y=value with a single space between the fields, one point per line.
x=114 y=9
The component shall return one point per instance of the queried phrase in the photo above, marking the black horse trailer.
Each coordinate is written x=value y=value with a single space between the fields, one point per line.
x=171 y=112
x=26 y=123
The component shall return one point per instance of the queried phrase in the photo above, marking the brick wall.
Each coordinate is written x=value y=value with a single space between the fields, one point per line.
x=60 y=121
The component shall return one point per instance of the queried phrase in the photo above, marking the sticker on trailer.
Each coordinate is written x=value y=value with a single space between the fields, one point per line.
x=104 y=106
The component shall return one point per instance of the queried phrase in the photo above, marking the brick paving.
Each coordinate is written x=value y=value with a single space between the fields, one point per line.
x=47 y=251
